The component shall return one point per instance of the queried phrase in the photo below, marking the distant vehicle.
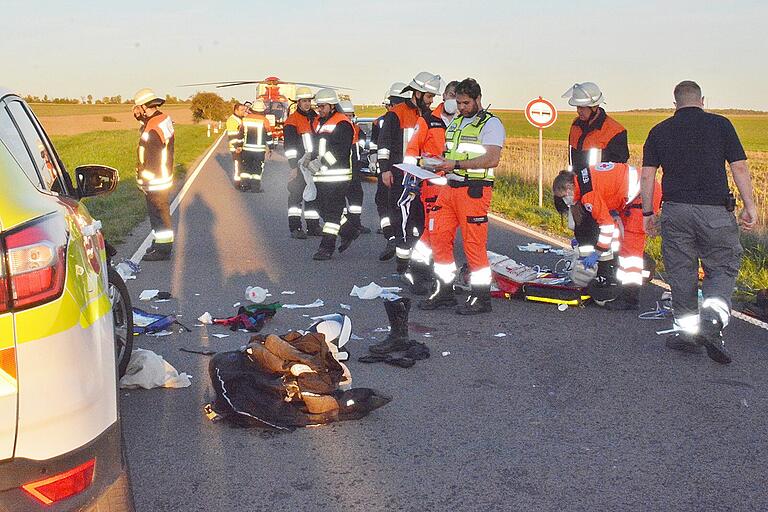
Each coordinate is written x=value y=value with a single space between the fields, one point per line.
x=366 y=125
x=60 y=441
x=277 y=95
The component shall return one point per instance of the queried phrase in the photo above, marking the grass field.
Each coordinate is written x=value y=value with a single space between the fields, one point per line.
x=125 y=208
x=77 y=119
x=65 y=110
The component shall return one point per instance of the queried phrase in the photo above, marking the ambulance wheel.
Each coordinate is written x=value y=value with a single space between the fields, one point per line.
x=122 y=313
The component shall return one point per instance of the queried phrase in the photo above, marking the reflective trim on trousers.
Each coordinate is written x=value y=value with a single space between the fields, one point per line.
x=331 y=228
x=480 y=277
x=720 y=307
x=294 y=211
x=402 y=253
x=689 y=324
x=291 y=153
x=382 y=154
x=421 y=253
x=384 y=222
x=355 y=209
x=446 y=272
x=246 y=175
x=629 y=277
x=311 y=215
x=321 y=178
x=163 y=237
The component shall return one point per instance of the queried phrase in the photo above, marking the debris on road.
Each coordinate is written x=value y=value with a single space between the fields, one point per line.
x=201 y=352
x=251 y=318
x=160 y=334
x=288 y=292
x=127 y=270
x=345 y=306
x=446 y=353
x=317 y=304
x=148 y=294
x=256 y=294
x=148 y=370
x=236 y=304
x=220 y=335
x=205 y=318
x=534 y=247
x=373 y=291
x=562 y=307
x=500 y=335
x=412 y=351
x=153 y=323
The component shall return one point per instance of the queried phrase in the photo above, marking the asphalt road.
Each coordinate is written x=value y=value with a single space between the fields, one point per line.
x=577 y=410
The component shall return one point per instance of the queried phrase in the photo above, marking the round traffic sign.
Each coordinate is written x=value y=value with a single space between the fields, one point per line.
x=541 y=113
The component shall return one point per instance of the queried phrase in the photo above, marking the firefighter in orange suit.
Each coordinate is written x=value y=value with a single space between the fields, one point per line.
x=473 y=144
x=154 y=170
x=594 y=137
x=610 y=193
x=257 y=138
x=297 y=136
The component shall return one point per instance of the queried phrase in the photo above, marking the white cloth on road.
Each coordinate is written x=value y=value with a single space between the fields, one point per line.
x=373 y=291
x=317 y=304
x=205 y=318
x=256 y=294
x=148 y=294
x=148 y=370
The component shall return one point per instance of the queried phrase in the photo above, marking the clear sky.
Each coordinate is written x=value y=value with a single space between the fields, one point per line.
x=636 y=51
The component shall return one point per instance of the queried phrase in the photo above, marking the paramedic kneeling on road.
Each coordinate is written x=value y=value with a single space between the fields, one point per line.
x=473 y=143
x=610 y=194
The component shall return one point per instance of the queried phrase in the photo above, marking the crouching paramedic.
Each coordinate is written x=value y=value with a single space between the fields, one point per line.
x=297 y=135
x=154 y=170
x=610 y=194
x=235 y=138
x=332 y=170
x=257 y=135
x=473 y=143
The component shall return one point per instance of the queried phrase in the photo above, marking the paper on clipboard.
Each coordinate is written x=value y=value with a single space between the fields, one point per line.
x=421 y=173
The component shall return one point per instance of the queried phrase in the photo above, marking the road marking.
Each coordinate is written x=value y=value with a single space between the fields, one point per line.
x=657 y=282
x=136 y=258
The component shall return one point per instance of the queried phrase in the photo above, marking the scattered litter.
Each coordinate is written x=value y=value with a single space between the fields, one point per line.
x=236 y=305
x=127 y=270
x=220 y=335
x=500 y=335
x=345 y=306
x=288 y=292
x=148 y=370
x=205 y=318
x=251 y=317
x=662 y=311
x=159 y=333
x=381 y=329
x=317 y=304
x=373 y=291
x=446 y=353
x=534 y=247
x=197 y=295
x=148 y=294
x=355 y=337
x=744 y=402
x=199 y=325
x=562 y=307
x=162 y=300
x=152 y=323
x=201 y=352
x=155 y=307
x=305 y=316
x=427 y=335
x=244 y=330
x=256 y=294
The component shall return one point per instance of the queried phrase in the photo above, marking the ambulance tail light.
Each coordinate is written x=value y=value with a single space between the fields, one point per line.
x=5 y=293
x=62 y=486
x=36 y=255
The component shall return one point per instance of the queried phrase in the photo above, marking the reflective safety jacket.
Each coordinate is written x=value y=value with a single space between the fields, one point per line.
x=333 y=138
x=257 y=133
x=396 y=131
x=234 y=132
x=297 y=135
x=375 y=130
x=154 y=170
x=601 y=139
x=428 y=139
x=603 y=188
x=465 y=144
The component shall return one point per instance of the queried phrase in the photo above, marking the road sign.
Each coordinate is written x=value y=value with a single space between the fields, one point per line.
x=541 y=113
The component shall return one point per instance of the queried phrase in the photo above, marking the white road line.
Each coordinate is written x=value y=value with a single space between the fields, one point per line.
x=661 y=284
x=136 y=258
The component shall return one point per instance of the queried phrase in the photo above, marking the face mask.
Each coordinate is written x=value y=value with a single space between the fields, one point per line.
x=450 y=106
x=568 y=199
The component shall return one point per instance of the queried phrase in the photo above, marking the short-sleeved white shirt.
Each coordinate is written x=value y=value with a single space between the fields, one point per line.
x=492 y=134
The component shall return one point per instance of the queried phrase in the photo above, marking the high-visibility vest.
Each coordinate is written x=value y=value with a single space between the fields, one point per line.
x=256 y=133
x=235 y=132
x=154 y=171
x=335 y=168
x=466 y=143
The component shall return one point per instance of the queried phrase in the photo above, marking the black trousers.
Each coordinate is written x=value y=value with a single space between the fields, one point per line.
x=159 y=209
x=382 y=208
x=355 y=198
x=295 y=201
x=332 y=199
x=253 y=163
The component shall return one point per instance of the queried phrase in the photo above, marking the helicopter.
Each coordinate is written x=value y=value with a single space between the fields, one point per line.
x=278 y=96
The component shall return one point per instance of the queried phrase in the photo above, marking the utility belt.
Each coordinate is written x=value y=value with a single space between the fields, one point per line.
x=460 y=181
x=729 y=203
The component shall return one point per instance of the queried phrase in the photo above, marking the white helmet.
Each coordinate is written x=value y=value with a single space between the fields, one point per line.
x=586 y=94
x=146 y=96
x=258 y=105
x=396 y=90
x=347 y=107
x=327 y=96
x=427 y=82
x=304 y=93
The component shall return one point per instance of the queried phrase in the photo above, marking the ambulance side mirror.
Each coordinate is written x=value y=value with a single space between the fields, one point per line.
x=95 y=180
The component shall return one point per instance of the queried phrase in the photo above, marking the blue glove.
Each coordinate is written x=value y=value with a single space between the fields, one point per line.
x=591 y=260
x=574 y=243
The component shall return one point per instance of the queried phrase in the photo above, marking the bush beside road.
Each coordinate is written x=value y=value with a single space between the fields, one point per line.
x=125 y=208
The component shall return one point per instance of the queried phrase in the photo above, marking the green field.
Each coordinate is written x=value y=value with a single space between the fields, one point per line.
x=752 y=128
x=125 y=208
x=62 y=110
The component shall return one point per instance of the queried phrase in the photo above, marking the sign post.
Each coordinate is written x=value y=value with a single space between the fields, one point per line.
x=541 y=114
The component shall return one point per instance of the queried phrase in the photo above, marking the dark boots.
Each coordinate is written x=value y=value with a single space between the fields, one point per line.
x=294 y=225
x=348 y=234
x=397 y=339
x=158 y=252
x=313 y=227
x=478 y=301
x=389 y=251
x=441 y=297
x=420 y=277
x=628 y=299
x=711 y=336
x=327 y=246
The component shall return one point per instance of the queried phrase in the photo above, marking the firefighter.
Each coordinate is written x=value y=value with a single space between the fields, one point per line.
x=396 y=131
x=154 y=170
x=355 y=193
x=297 y=135
x=235 y=138
x=610 y=194
x=473 y=144
x=594 y=137
x=257 y=137
x=331 y=170
x=393 y=96
x=428 y=141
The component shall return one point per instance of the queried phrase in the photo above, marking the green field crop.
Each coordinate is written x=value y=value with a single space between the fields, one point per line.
x=125 y=208
x=63 y=110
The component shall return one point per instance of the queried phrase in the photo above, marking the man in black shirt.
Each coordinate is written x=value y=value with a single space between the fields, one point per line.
x=697 y=220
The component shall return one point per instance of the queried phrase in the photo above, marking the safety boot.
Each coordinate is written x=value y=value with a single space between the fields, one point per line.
x=628 y=299
x=478 y=301
x=402 y=265
x=441 y=297
x=313 y=228
x=299 y=234
x=327 y=246
x=255 y=187
x=711 y=336
x=158 y=252
x=397 y=339
x=389 y=251
x=348 y=234
x=420 y=278
x=683 y=342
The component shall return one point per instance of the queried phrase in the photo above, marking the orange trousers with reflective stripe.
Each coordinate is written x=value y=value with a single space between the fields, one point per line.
x=455 y=209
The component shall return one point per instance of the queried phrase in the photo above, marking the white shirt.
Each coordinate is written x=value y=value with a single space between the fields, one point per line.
x=492 y=134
